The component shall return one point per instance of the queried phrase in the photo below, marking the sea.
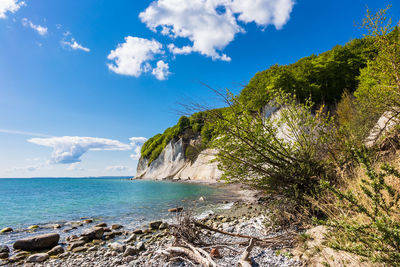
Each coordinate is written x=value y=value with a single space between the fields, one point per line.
x=131 y=203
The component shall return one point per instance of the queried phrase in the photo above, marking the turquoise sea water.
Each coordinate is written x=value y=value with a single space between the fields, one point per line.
x=41 y=201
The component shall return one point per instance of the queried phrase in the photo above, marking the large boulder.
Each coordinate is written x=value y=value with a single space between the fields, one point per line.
x=94 y=233
x=39 y=257
x=37 y=242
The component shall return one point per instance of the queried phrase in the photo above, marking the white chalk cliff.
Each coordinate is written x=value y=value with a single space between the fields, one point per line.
x=172 y=164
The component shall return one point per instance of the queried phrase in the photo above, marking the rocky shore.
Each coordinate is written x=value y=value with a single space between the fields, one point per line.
x=99 y=244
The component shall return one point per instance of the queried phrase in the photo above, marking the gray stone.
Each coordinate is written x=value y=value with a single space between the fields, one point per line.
x=155 y=224
x=117 y=247
x=138 y=232
x=130 y=239
x=76 y=244
x=102 y=224
x=164 y=225
x=56 y=250
x=4 y=255
x=140 y=246
x=39 y=257
x=79 y=249
x=6 y=230
x=116 y=226
x=130 y=251
x=4 y=248
x=94 y=233
x=37 y=242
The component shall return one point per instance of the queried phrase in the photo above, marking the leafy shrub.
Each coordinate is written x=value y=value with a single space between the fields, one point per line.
x=286 y=154
x=369 y=224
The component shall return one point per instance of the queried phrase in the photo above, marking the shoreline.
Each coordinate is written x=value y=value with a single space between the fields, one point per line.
x=111 y=248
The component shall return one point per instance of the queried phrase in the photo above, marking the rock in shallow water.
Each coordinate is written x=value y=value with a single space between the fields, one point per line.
x=6 y=230
x=155 y=224
x=39 y=257
x=4 y=249
x=94 y=233
x=116 y=226
x=37 y=242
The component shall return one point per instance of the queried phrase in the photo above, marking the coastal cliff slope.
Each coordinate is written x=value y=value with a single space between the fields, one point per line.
x=172 y=164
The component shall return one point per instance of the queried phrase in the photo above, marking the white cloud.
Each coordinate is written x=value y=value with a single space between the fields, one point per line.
x=119 y=168
x=197 y=20
x=41 y=30
x=69 y=149
x=136 y=144
x=210 y=25
x=72 y=43
x=11 y=6
x=263 y=12
x=161 y=72
x=132 y=57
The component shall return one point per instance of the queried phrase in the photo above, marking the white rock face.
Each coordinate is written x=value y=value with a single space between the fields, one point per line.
x=171 y=164
x=385 y=123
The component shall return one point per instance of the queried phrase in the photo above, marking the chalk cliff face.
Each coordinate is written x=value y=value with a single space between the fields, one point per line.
x=172 y=164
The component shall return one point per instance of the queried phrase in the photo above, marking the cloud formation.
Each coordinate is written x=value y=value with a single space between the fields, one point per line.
x=161 y=72
x=41 y=30
x=132 y=57
x=210 y=25
x=74 y=45
x=136 y=144
x=69 y=149
x=11 y=6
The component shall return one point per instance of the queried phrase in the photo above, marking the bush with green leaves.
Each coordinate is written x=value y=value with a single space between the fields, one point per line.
x=285 y=154
x=369 y=222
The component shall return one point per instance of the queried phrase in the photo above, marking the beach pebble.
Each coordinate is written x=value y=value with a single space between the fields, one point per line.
x=94 y=233
x=37 y=242
x=56 y=250
x=79 y=249
x=138 y=232
x=155 y=225
x=117 y=247
x=130 y=251
x=4 y=255
x=162 y=226
x=39 y=257
x=116 y=226
x=6 y=230
x=102 y=224
x=76 y=244
x=140 y=246
x=87 y=221
x=33 y=227
x=201 y=199
x=4 y=249
x=130 y=239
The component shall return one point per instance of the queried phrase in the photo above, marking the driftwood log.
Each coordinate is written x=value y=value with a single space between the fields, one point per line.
x=245 y=260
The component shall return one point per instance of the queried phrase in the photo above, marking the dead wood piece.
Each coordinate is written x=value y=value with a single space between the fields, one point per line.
x=271 y=240
x=191 y=254
x=245 y=260
x=200 y=252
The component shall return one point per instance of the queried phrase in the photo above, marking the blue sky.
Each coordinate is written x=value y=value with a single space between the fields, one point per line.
x=82 y=83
